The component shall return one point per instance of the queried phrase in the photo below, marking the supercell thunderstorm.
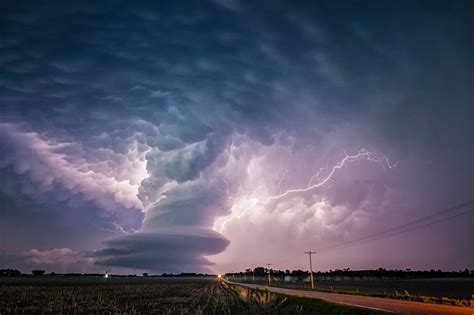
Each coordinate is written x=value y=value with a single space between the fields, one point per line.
x=152 y=138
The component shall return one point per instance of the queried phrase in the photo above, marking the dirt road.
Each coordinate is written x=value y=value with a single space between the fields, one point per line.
x=388 y=305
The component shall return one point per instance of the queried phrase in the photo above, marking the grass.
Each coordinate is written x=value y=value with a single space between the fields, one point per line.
x=60 y=295
x=448 y=292
x=267 y=302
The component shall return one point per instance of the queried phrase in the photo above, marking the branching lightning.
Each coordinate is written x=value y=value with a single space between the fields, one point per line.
x=315 y=176
x=244 y=204
x=117 y=228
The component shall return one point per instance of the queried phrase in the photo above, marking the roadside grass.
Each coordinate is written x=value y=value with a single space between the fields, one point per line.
x=398 y=295
x=406 y=296
x=266 y=302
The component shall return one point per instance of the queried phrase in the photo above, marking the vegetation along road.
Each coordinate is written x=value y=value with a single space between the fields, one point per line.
x=388 y=305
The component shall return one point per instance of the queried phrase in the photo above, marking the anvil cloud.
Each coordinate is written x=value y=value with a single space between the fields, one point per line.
x=130 y=131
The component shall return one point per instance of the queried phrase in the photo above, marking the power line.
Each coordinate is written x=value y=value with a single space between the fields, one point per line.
x=441 y=212
x=415 y=228
x=403 y=228
x=366 y=240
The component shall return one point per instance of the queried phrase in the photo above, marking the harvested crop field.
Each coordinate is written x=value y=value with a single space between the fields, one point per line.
x=65 y=295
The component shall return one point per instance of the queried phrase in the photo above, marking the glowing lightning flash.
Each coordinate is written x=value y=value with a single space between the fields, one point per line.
x=117 y=228
x=245 y=203
x=281 y=180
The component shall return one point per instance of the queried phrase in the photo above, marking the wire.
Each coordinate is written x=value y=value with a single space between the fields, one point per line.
x=414 y=228
x=403 y=227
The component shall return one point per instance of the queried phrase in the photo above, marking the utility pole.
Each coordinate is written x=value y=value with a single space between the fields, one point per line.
x=269 y=273
x=309 y=253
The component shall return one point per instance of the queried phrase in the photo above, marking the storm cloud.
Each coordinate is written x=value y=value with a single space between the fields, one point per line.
x=135 y=133
x=173 y=251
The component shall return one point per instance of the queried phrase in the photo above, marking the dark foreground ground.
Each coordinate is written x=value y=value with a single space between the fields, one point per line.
x=66 y=295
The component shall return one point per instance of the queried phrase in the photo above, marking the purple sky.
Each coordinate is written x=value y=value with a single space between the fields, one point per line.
x=222 y=135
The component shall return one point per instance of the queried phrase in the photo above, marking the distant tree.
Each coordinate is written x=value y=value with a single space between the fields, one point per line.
x=53 y=273
x=37 y=272
x=145 y=274
x=9 y=272
x=259 y=272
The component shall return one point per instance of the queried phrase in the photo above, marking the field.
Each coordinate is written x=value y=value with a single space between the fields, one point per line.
x=443 y=291
x=87 y=295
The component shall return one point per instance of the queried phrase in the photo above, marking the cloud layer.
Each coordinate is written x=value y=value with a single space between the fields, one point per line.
x=131 y=132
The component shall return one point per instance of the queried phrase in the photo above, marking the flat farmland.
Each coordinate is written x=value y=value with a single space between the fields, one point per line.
x=89 y=295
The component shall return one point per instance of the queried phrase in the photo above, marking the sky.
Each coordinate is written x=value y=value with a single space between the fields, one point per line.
x=213 y=136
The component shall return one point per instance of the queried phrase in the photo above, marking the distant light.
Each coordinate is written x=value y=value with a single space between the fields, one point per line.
x=219 y=276
x=106 y=275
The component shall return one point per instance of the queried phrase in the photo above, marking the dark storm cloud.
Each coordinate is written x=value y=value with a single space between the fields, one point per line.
x=120 y=115
x=174 y=251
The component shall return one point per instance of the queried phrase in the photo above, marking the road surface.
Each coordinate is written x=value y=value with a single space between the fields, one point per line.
x=381 y=304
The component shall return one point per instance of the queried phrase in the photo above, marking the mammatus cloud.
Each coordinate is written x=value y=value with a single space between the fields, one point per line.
x=106 y=178
x=100 y=174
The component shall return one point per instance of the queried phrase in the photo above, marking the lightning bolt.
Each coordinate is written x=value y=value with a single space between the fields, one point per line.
x=281 y=180
x=117 y=228
x=315 y=176
x=246 y=203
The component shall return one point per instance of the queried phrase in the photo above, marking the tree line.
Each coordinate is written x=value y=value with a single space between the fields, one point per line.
x=380 y=273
